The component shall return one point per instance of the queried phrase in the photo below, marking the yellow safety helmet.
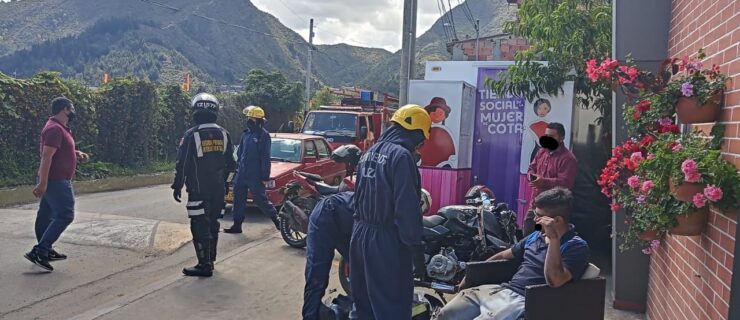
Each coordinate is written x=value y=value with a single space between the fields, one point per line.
x=413 y=117
x=254 y=112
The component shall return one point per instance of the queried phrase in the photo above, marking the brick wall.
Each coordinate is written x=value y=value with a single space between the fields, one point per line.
x=690 y=276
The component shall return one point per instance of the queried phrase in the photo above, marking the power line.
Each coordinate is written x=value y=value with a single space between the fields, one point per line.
x=221 y=21
x=291 y=10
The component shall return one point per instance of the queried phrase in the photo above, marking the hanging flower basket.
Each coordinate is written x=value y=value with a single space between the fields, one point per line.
x=649 y=235
x=691 y=223
x=690 y=110
x=686 y=190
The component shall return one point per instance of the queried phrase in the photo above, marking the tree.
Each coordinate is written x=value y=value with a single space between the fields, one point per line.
x=323 y=97
x=280 y=99
x=565 y=33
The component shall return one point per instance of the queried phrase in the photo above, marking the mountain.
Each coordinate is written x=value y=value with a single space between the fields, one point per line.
x=160 y=40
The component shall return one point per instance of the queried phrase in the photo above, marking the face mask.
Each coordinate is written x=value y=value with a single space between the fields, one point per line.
x=71 y=116
x=549 y=143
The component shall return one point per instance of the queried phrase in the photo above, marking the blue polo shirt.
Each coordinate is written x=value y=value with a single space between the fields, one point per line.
x=533 y=250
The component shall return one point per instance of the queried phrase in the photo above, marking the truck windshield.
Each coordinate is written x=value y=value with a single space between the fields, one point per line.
x=334 y=125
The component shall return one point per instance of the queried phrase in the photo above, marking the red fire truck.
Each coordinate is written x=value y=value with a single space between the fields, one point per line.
x=356 y=120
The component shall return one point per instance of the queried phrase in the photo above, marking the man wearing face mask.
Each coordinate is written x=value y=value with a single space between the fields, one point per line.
x=553 y=166
x=253 y=173
x=204 y=160
x=385 y=249
x=58 y=163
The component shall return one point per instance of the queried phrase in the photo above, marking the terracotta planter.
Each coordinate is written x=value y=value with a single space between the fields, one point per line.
x=649 y=235
x=686 y=190
x=688 y=110
x=691 y=223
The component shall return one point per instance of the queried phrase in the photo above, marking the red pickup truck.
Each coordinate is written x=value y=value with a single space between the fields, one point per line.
x=291 y=152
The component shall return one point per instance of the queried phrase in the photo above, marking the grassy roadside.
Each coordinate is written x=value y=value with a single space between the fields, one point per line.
x=89 y=171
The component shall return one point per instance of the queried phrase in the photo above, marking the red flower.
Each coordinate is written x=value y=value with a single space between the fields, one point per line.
x=636 y=115
x=631 y=165
x=643 y=106
x=646 y=141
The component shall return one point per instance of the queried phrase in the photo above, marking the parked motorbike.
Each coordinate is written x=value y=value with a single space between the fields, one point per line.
x=302 y=194
x=456 y=235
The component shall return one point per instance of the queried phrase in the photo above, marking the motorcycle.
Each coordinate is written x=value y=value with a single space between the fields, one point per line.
x=456 y=235
x=302 y=194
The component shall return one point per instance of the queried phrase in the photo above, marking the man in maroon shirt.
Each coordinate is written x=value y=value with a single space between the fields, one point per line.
x=58 y=163
x=553 y=166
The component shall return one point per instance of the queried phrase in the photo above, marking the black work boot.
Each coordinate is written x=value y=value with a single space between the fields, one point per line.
x=204 y=268
x=234 y=229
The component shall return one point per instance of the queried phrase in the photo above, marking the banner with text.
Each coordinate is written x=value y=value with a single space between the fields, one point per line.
x=497 y=139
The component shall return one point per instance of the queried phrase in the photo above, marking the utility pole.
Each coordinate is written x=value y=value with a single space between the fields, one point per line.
x=308 y=68
x=477 y=39
x=408 y=49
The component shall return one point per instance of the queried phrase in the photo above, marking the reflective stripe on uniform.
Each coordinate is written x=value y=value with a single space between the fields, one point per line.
x=198 y=147
x=195 y=208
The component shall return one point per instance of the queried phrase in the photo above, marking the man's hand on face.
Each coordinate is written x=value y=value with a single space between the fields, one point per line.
x=548 y=226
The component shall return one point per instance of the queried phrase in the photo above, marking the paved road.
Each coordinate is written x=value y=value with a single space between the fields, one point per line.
x=127 y=247
x=126 y=251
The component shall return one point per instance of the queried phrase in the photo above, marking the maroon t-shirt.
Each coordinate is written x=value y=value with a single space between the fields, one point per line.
x=557 y=168
x=64 y=161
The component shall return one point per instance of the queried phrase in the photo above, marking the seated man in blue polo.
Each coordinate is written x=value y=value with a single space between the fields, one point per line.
x=555 y=256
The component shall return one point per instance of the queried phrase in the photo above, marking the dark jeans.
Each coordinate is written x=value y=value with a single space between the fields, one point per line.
x=56 y=212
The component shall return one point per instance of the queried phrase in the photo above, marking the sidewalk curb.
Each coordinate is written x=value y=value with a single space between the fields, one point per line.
x=24 y=194
x=128 y=299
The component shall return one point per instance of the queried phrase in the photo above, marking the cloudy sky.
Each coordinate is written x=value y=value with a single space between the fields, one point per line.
x=375 y=23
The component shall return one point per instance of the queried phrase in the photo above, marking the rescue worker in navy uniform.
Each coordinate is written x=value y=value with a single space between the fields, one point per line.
x=329 y=228
x=204 y=160
x=253 y=173
x=385 y=249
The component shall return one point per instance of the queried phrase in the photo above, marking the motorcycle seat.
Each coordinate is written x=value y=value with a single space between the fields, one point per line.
x=325 y=189
x=433 y=221
x=311 y=176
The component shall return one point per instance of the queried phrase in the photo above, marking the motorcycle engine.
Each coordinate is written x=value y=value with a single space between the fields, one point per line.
x=444 y=266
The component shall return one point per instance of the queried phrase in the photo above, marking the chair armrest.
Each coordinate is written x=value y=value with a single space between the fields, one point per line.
x=582 y=299
x=490 y=272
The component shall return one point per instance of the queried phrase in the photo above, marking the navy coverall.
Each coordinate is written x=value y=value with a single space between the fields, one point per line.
x=254 y=168
x=329 y=228
x=387 y=229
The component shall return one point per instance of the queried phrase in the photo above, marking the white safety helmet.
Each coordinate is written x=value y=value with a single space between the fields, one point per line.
x=205 y=101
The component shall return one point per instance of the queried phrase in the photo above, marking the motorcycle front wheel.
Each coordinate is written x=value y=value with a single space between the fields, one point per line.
x=293 y=238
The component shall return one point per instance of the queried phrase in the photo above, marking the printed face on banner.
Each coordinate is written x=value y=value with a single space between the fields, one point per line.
x=538 y=114
x=439 y=150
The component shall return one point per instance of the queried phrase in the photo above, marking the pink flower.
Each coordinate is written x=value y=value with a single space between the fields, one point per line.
x=637 y=157
x=651 y=156
x=689 y=166
x=692 y=177
x=691 y=171
x=713 y=193
x=655 y=244
x=678 y=147
x=665 y=122
x=647 y=251
x=647 y=186
x=615 y=206
x=633 y=181
x=699 y=200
